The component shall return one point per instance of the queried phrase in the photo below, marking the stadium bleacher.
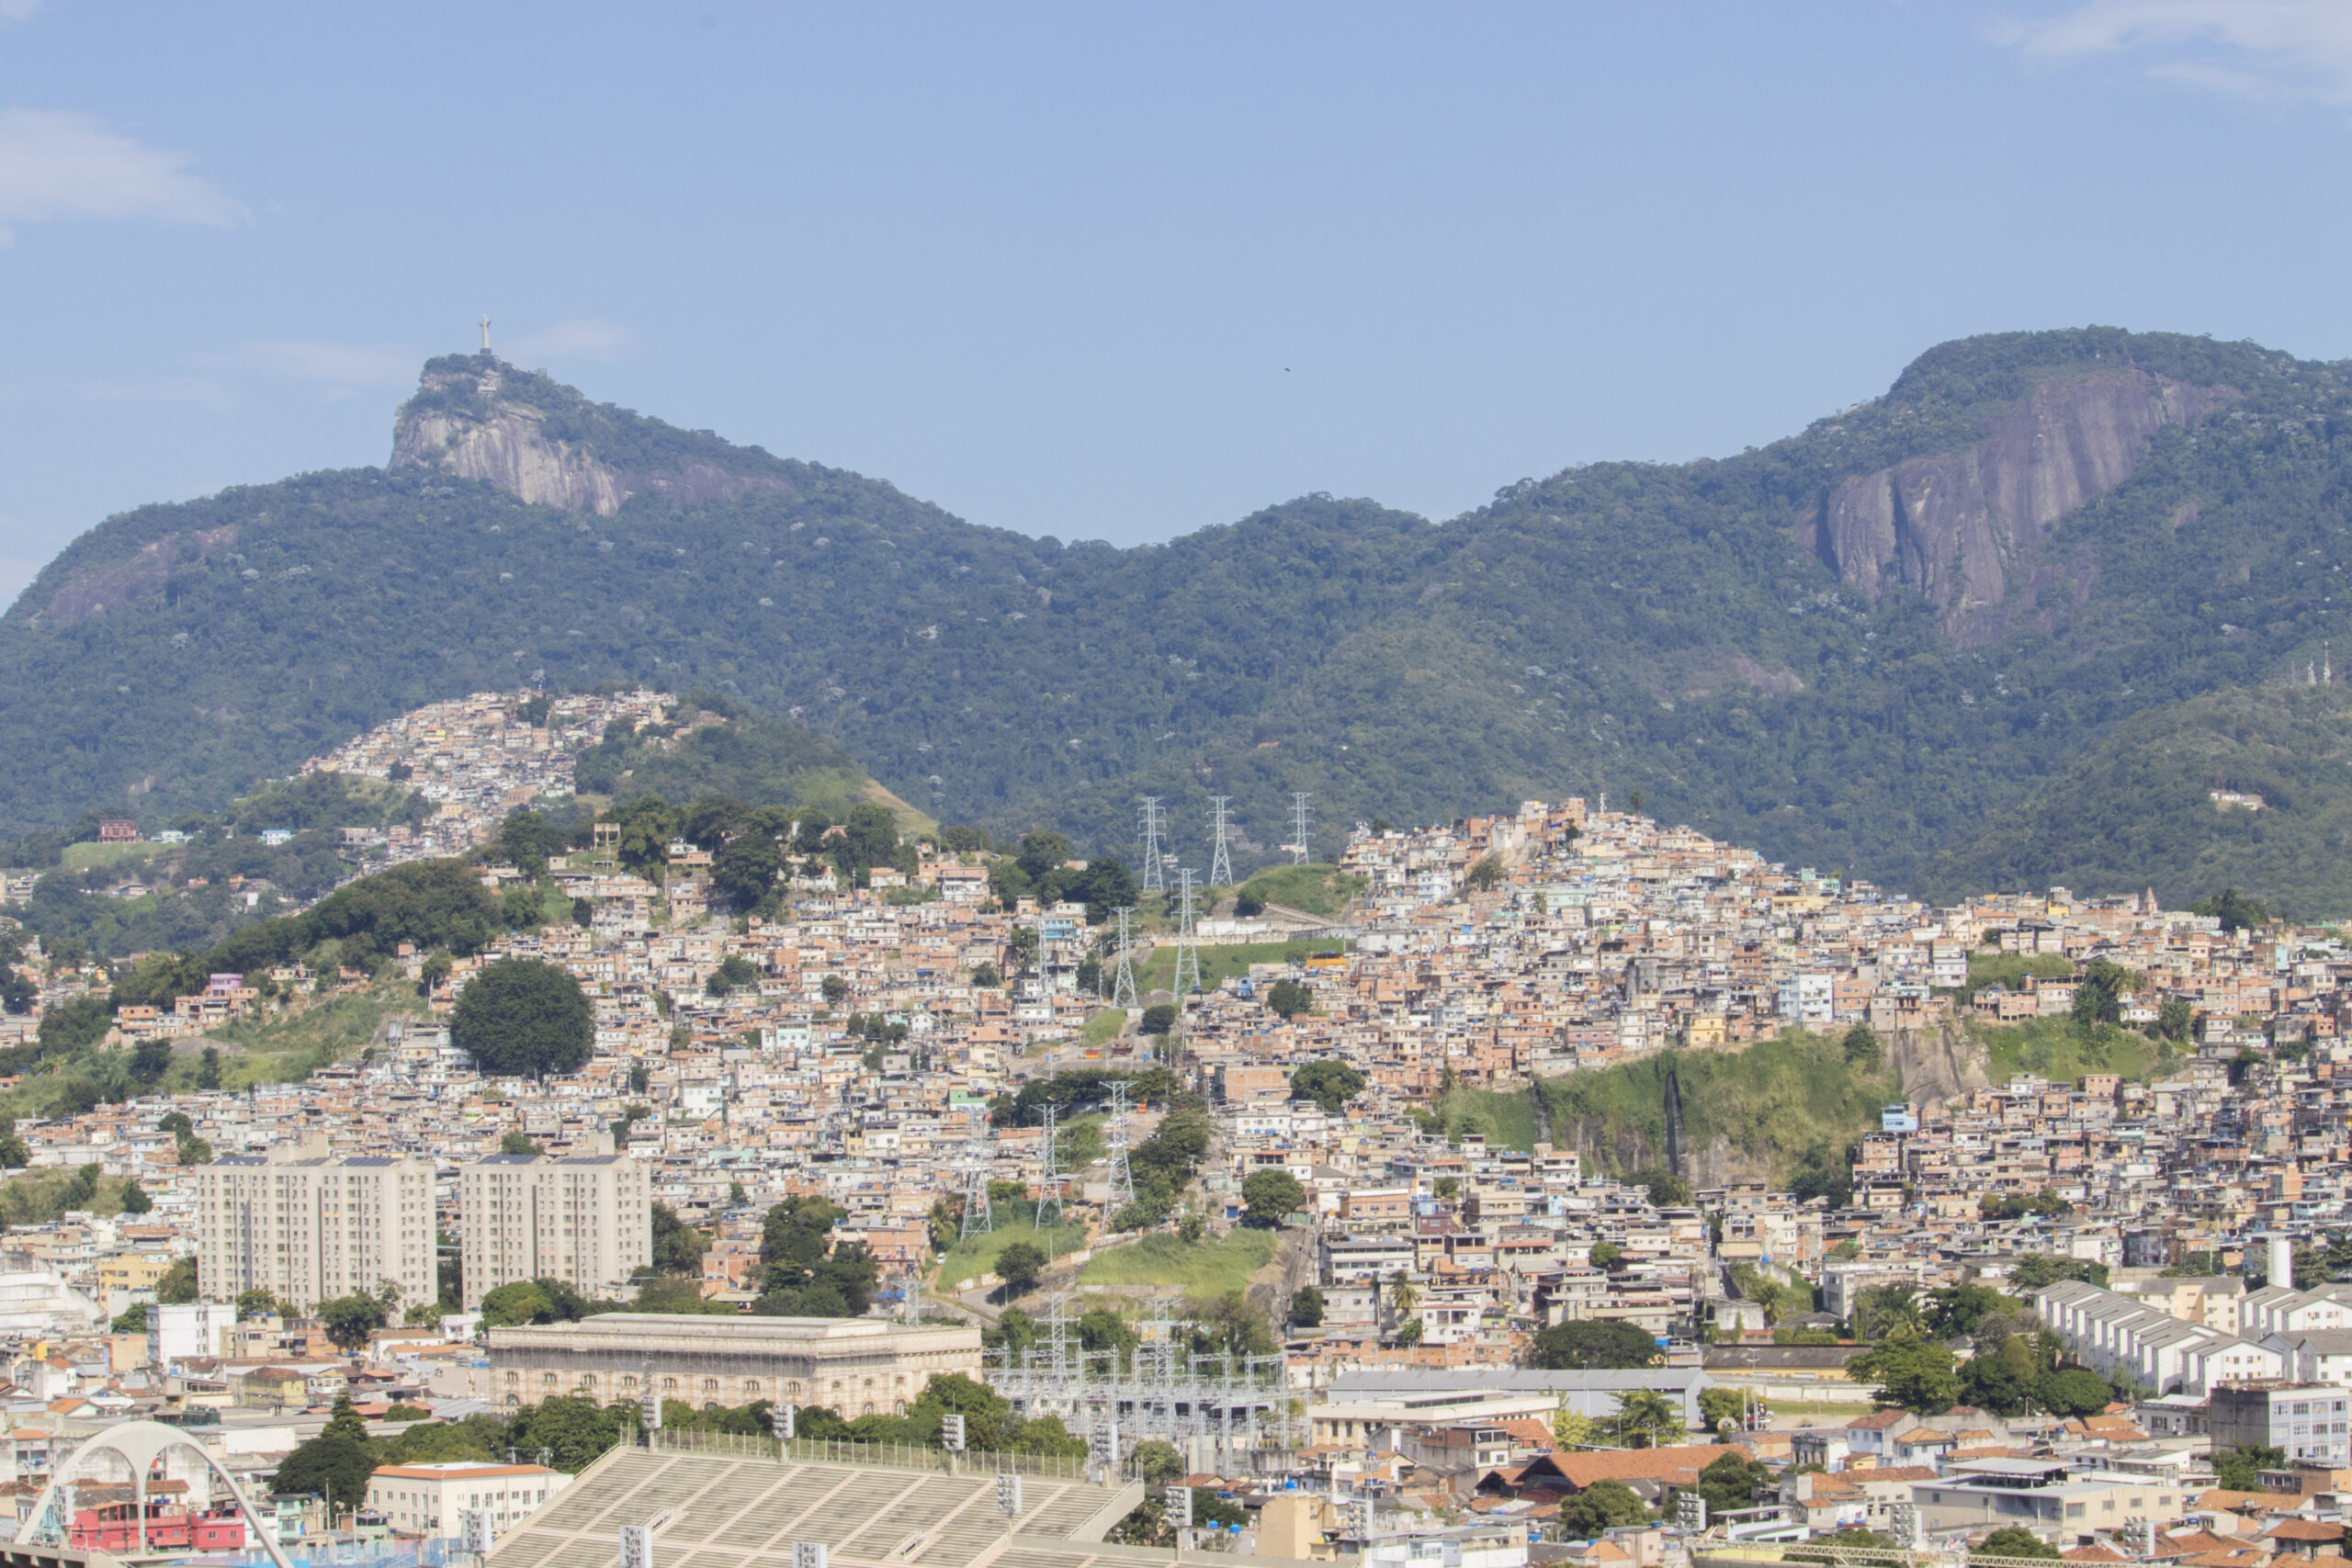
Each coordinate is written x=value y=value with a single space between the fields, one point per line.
x=721 y=1511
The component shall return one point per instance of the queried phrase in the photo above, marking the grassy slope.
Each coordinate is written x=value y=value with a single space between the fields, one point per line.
x=1772 y=1103
x=1769 y=1104
x=1317 y=889
x=286 y=1049
x=1217 y=1268
x=976 y=1254
x=2051 y=1048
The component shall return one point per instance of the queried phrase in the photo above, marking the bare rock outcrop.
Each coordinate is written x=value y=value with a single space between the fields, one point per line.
x=1939 y=1064
x=478 y=418
x=1964 y=528
x=88 y=591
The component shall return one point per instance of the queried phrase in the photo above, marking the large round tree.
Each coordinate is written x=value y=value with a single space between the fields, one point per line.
x=520 y=1018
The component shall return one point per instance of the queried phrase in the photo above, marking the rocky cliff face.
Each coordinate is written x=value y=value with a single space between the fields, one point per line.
x=479 y=418
x=1967 y=527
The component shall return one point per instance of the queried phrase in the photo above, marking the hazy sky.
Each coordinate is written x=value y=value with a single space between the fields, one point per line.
x=1119 y=271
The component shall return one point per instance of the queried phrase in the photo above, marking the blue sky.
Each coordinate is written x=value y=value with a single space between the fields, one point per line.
x=1119 y=271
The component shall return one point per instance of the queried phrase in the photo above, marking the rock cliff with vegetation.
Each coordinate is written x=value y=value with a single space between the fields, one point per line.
x=1859 y=648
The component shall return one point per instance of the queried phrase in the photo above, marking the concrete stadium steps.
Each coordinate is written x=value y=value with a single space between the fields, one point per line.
x=1071 y=1505
x=527 y=1549
x=724 y=1502
x=1037 y=1556
x=855 y=1506
x=799 y=1491
x=745 y=1512
x=576 y=1510
x=965 y=1536
x=586 y=1552
x=928 y=1501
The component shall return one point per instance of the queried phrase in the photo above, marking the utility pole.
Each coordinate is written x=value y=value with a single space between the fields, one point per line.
x=1188 y=945
x=1298 y=855
x=1152 y=880
x=1049 y=1182
x=1123 y=1180
x=1220 y=864
x=980 y=1217
x=1122 y=988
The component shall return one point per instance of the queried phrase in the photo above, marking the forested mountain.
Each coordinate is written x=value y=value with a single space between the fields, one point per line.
x=1856 y=648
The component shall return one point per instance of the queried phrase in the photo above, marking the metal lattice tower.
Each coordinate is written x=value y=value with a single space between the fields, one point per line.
x=1115 y=1143
x=1188 y=943
x=1122 y=988
x=1049 y=1182
x=1298 y=854
x=1153 y=882
x=979 y=1216
x=1220 y=863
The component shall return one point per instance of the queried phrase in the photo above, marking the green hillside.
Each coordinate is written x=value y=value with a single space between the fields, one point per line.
x=2138 y=809
x=728 y=749
x=1746 y=1114
x=1696 y=632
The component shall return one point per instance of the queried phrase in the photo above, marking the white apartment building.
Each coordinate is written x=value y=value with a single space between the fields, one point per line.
x=308 y=1225
x=427 y=1499
x=586 y=1220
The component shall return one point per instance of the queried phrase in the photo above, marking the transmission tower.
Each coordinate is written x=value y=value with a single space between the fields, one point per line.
x=1049 y=1182
x=1122 y=988
x=1187 y=942
x=1298 y=854
x=1220 y=865
x=979 y=1218
x=1153 y=882
x=1123 y=1180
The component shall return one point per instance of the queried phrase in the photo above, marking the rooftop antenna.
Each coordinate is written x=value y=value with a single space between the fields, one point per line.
x=1122 y=988
x=485 y=334
x=1123 y=1180
x=979 y=1219
x=1049 y=1182
x=1153 y=882
x=1298 y=854
x=1220 y=864
x=1187 y=942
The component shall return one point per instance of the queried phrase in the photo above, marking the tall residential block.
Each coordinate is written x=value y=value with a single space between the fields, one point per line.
x=586 y=1220
x=308 y=1225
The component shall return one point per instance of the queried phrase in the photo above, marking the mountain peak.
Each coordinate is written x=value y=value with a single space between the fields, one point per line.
x=477 y=417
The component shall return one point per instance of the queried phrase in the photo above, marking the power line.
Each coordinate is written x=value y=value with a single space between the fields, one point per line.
x=1122 y=1182
x=1122 y=988
x=1153 y=881
x=1220 y=865
x=1187 y=942
x=979 y=1216
x=1049 y=1182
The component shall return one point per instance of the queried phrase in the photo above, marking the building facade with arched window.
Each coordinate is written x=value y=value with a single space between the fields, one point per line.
x=857 y=1366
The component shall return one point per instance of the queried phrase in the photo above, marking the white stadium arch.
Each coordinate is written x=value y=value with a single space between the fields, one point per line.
x=137 y=1445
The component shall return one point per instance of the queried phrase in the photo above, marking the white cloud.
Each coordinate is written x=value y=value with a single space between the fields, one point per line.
x=57 y=164
x=335 y=364
x=2263 y=50
x=18 y=10
x=586 y=339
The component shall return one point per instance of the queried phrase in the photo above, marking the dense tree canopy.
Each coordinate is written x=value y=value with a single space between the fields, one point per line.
x=1585 y=1344
x=523 y=1018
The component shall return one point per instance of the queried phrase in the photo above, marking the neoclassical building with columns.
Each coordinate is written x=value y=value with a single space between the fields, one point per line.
x=857 y=1366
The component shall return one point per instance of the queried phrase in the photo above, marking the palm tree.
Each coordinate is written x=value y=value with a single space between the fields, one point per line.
x=1402 y=1298
x=1895 y=1311
x=1645 y=1418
